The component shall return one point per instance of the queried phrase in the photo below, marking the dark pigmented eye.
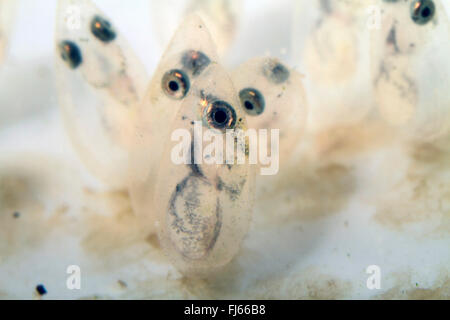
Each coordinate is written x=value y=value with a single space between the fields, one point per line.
x=276 y=72
x=70 y=53
x=102 y=29
x=175 y=84
x=422 y=11
x=252 y=101
x=220 y=115
x=195 y=61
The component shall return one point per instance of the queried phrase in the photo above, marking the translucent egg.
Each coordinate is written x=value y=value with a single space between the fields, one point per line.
x=190 y=53
x=7 y=11
x=100 y=81
x=220 y=16
x=273 y=97
x=410 y=67
x=203 y=207
x=331 y=45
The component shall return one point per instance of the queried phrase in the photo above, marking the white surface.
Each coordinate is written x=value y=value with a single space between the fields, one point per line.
x=315 y=231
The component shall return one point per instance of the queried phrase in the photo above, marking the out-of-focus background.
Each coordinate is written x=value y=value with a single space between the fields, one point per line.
x=314 y=236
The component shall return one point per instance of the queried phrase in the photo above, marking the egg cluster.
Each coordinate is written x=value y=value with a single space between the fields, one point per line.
x=374 y=62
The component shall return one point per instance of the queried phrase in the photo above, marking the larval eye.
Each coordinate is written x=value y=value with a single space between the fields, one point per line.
x=220 y=115
x=202 y=203
x=422 y=11
x=102 y=29
x=100 y=81
x=186 y=60
x=176 y=84
x=252 y=101
x=71 y=54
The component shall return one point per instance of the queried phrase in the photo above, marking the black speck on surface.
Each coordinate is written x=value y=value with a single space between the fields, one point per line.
x=16 y=215
x=41 y=290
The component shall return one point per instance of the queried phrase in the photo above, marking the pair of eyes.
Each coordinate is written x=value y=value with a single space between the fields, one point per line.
x=422 y=11
x=100 y=28
x=176 y=83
